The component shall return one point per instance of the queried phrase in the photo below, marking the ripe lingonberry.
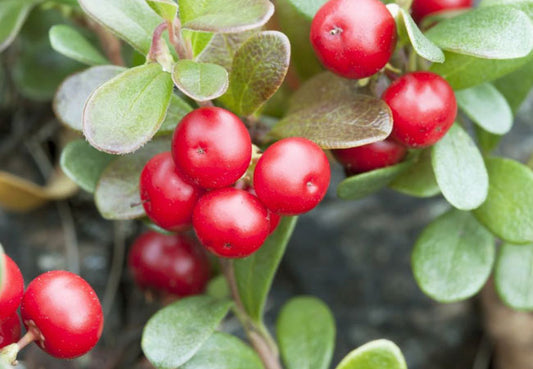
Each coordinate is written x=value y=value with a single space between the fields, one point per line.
x=167 y=197
x=212 y=147
x=64 y=314
x=292 y=176
x=170 y=263
x=423 y=107
x=422 y=8
x=274 y=218
x=354 y=39
x=370 y=157
x=230 y=222
x=11 y=289
x=9 y=330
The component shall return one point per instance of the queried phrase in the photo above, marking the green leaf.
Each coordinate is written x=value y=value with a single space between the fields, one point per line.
x=452 y=259
x=460 y=170
x=166 y=9
x=492 y=33
x=258 y=70
x=487 y=141
x=224 y=351
x=380 y=354
x=487 y=107
x=132 y=20
x=125 y=112
x=418 y=180
x=199 y=40
x=463 y=71
x=72 y=94
x=308 y=7
x=117 y=192
x=222 y=16
x=175 y=333
x=177 y=109
x=508 y=211
x=200 y=81
x=364 y=184
x=515 y=87
x=525 y=5
x=306 y=334
x=513 y=276
x=13 y=13
x=218 y=288
x=339 y=124
x=222 y=48
x=84 y=164
x=69 y=42
x=255 y=273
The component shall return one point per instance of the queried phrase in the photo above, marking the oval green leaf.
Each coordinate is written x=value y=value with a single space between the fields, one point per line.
x=69 y=42
x=515 y=87
x=513 y=276
x=222 y=47
x=418 y=180
x=364 y=184
x=460 y=170
x=306 y=334
x=200 y=81
x=508 y=211
x=258 y=70
x=487 y=107
x=125 y=112
x=167 y=9
x=452 y=259
x=117 y=192
x=175 y=333
x=224 y=351
x=84 y=164
x=177 y=109
x=380 y=354
x=222 y=16
x=132 y=20
x=255 y=273
x=73 y=93
x=491 y=33
x=307 y=7
x=13 y=13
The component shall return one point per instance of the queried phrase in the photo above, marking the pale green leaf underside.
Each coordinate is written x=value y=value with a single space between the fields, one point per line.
x=525 y=5
x=167 y=9
x=418 y=180
x=222 y=47
x=13 y=13
x=199 y=41
x=453 y=257
x=69 y=42
x=200 y=81
x=514 y=276
x=380 y=354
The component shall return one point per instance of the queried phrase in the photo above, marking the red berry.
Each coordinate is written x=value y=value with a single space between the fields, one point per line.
x=9 y=330
x=272 y=217
x=167 y=197
x=292 y=176
x=353 y=38
x=212 y=147
x=370 y=157
x=64 y=312
x=422 y=8
x=11 y=288
x=231 y=222
x=169 y=263
x=423 y=107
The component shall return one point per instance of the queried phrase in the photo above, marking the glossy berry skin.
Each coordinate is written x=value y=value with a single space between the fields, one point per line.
x=9 y=330
x=422 y=8
x=353 y=38
x=369 y=157
x=174 y=264
x=274 y=218
x=230 y=222
x=212 y=147
x=64 y=311
x=423 y=107
x=167 y=197
x=292 y=176
x=11 y=289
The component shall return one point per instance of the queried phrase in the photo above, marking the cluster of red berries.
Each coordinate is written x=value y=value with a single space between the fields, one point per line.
x=356 y=39
x=59 y=309
x=198 y=183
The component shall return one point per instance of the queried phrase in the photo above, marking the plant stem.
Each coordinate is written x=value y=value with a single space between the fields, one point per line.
x=258 y=335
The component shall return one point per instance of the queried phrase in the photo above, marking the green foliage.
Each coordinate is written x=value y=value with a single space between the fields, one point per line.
x=222 y=48
x=199 y=40
x=125 y=112
x=13 y=13
x=68 y=41
x=84 y=164
x=218 y=287
x=177 y=332
x=453 y=257
x=508 y=211
x=177 y=109
x=516 y=86
x=307 y=7
x=513 y=277
x=200 y=81
x=418 y=180
x=306 y=334
x=460 y=170
x=380 y=354
x=254 y=274
x=167 y=9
